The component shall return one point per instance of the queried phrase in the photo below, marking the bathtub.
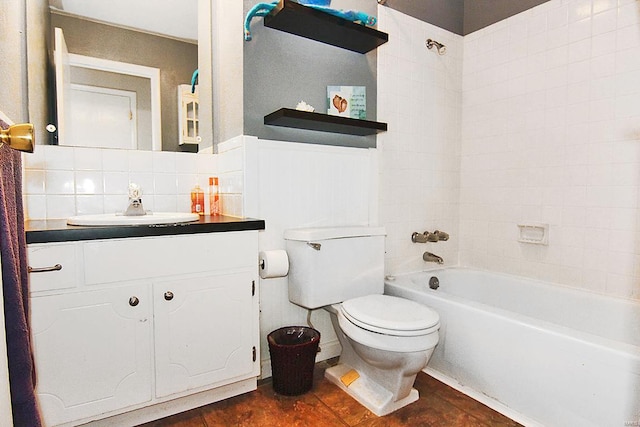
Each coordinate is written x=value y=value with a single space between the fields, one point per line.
x=542 y=354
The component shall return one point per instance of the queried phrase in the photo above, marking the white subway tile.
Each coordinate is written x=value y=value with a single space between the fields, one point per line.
x=604 y=22
x=186 y=163
x=89 y=182
x=34 y=181
x=35 y=206
x=60 y=206
x=579 y=10
x=580 y=30
x=166 y=183
x=89 y=204
x=59 y=158
x=163 y=162
x=115 y=160
x=35 y=160
x=59 y=182
x=140 y=161
x=604 y=5
x=116 y=182
x=87 y=159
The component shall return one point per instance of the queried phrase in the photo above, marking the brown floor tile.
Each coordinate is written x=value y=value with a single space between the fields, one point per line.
x=428 y=385
x=191 y=418
x=326 y=405
x=266 y=408
x=343 y=405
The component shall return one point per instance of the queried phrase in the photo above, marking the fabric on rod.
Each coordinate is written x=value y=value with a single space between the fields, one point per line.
x=13 y=249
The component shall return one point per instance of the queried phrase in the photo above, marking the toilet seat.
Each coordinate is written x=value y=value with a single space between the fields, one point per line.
x=390 y=315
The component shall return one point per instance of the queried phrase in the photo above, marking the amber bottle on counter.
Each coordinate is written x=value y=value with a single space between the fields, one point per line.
x=197 y=200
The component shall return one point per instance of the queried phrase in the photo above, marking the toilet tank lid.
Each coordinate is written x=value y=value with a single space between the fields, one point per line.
x=327 y=233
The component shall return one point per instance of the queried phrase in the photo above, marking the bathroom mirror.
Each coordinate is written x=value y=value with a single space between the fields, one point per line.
x=130 y=57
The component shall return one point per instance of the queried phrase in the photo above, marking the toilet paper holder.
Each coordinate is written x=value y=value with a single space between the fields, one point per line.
x=273 y=263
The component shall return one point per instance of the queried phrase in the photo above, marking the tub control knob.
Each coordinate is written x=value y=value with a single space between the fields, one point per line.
x=168 y=295
x=434 y=283
x=133 y=301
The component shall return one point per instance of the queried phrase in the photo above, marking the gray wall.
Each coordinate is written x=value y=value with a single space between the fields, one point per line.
x=447 y=14
x=462 y=16
x=176 y=60
x=482 y=13
x=281 y=69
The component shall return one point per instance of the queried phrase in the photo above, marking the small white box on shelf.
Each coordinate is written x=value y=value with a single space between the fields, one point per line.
x=347 y=101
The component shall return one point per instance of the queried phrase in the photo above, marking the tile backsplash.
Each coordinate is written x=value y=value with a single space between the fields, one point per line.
x=64 y=181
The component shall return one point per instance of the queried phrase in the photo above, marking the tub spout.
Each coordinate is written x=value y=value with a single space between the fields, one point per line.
x=429 y=257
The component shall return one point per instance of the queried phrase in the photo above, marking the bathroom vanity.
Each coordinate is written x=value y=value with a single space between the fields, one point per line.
x=141 y=322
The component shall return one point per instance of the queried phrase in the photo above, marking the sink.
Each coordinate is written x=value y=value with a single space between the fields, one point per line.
x=98 y=220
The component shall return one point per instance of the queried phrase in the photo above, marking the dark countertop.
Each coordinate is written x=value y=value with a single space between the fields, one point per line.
x=47 y=231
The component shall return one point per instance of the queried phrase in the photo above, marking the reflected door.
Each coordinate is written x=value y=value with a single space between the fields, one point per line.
x=101 y=117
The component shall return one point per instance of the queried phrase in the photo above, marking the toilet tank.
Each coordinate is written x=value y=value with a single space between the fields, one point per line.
x=333 y=264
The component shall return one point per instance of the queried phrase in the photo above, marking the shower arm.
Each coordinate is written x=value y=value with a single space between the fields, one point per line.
x=440 y=48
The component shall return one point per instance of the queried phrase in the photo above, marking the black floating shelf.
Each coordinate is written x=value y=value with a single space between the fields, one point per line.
x=304 y=21
x=288 y=117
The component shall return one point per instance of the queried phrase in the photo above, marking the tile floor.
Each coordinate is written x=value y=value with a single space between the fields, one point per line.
x=327 y=405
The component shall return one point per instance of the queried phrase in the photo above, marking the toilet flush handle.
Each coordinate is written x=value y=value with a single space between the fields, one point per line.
x=315 y=246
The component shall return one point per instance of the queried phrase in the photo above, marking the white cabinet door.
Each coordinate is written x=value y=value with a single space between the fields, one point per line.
x=204 y=331
x=92 y=350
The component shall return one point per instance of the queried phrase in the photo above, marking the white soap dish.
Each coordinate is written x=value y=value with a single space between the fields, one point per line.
x=534 y=232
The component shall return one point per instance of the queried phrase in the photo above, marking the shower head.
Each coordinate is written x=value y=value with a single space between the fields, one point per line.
x=19 y=137
x=439 y=46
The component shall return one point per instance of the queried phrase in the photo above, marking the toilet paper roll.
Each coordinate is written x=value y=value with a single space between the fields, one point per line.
x=273 y=264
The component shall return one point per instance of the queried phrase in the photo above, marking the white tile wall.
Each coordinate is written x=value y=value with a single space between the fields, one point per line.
x=551 y=133
x=66 y=181
x=293 y=185
x=231 y=166
x=419 y=96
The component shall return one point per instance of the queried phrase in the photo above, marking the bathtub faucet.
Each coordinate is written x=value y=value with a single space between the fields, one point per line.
x=429 y=257
x=427 y=236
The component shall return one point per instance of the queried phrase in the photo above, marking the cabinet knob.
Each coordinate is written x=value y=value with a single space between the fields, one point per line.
x=133 y=301
x=168 y=295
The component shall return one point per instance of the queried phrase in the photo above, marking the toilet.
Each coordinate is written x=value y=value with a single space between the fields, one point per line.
x=385 y=340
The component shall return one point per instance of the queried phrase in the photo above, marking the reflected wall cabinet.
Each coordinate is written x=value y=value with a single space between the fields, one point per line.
x=188 y=121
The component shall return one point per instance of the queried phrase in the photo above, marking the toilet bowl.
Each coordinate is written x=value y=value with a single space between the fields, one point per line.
x=387 y=341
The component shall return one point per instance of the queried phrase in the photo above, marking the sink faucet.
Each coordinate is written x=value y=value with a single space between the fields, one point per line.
x=429 y=257
x=135 y=207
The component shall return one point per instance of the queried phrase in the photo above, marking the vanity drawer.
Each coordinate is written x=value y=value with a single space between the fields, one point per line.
x=121 y=260
x=53 y=266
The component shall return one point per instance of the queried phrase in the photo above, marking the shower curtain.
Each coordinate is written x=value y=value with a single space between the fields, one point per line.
x=13 y=250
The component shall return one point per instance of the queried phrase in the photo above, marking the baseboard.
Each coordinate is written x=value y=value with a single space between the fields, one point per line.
x=482 y=398
x=326 y=351
x=171 y=407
